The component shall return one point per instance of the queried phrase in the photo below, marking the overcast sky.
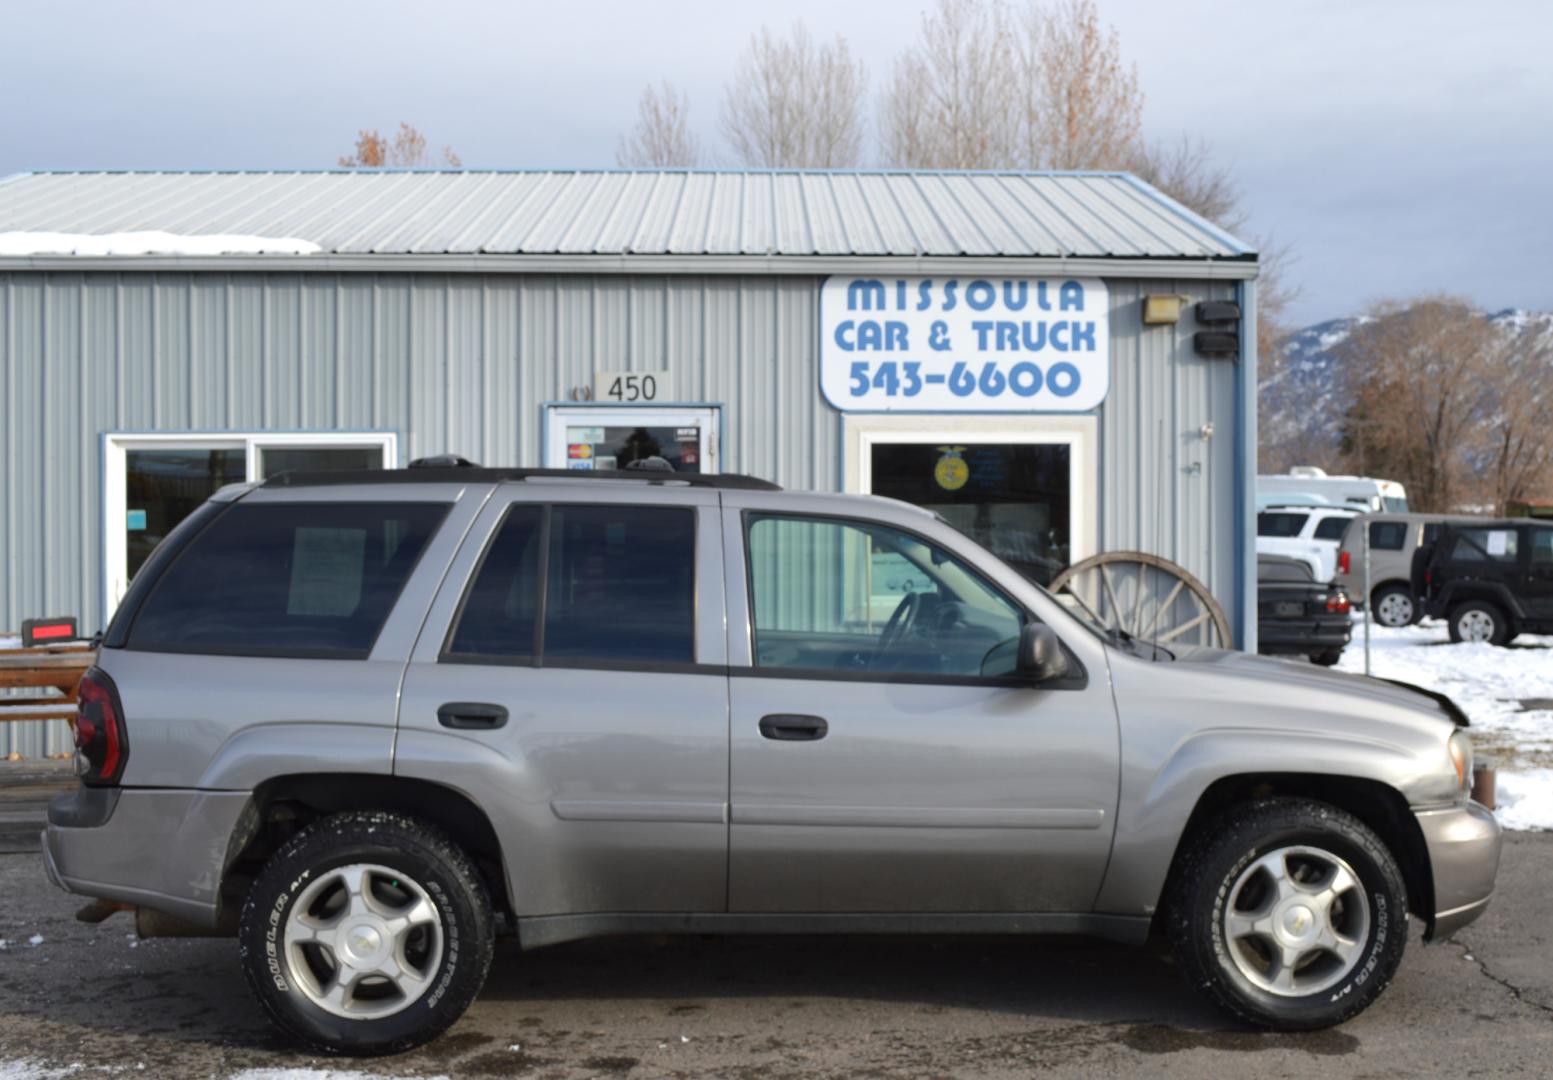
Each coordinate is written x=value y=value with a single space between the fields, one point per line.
x=1396 y=146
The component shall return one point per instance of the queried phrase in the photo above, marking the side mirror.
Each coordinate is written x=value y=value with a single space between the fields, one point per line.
x=1040 y=654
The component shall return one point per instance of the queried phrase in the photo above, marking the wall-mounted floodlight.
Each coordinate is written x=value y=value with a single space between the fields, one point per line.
x=1162 y=310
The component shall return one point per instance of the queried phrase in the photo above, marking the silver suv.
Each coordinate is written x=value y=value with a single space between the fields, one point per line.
x=370 y=722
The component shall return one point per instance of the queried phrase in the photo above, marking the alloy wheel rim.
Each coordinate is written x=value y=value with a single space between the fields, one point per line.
x=1296 y=921
x=363 y=941
x=1395 y=610
x=1475 y=626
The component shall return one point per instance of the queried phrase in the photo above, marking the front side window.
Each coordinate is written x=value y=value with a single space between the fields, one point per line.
x=1388 y=535
x=846 y=597
x=618 y=584
x=294 y=579
x=1283 y=526
x=1542 y=547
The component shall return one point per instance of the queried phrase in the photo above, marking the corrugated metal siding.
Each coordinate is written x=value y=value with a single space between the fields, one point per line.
x=647 y=212
x=463 y=364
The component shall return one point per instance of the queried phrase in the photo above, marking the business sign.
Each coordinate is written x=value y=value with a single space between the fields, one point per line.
x=963 y=344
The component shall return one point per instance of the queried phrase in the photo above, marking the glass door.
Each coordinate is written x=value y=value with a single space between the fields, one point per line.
x=1025 y=490
x=672 y=439
x=152 y=482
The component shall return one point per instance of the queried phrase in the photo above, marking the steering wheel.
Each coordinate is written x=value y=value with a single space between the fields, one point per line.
x=900 y=621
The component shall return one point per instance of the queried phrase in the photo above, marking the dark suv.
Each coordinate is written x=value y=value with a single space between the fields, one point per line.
x=1490 y=580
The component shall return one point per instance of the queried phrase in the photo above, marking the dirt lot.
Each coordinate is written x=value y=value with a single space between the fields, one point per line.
x=89 y=1000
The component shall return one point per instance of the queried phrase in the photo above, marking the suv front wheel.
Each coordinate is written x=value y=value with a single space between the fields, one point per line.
x=1289 y=913
x=368 y=933
x=1478 y=620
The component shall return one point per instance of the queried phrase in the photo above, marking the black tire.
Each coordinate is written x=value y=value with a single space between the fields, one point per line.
x=1328 y=658
x=424 y=855
x=1402 y=602
x=1477 y=610
x=1214 y=859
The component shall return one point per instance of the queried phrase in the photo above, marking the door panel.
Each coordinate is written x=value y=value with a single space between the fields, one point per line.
x=921 y=798
x=929 y=780
x=607 y=781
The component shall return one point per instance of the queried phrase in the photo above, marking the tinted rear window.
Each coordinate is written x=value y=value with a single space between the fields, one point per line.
x=1275 y=523
x=1332 y=528
x=1388 y=535
x=1486 y=545
x=296 y=579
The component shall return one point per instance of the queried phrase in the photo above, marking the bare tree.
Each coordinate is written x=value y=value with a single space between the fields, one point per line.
x=1188 y=172
x=795 y=103
x=1080 y=104
x=662 y=137
x=1516 y=452
x=1417 y=380
x=948 y=103
x=407 y=149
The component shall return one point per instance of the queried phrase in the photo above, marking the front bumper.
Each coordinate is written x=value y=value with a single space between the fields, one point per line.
x=162 y=849
x=1463 y=843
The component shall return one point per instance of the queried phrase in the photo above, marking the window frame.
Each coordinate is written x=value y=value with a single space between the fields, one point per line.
x=155 y=586
x=445 y=655
x=1076 y=679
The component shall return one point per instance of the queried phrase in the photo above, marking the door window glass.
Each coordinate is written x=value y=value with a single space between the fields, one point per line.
x=844 y=597
x=162 y=487
x=1432 y=531
x=301 y=579
x=1280 y=524
x=498 y=618
x=1011 y=498
x=1332 y=528
x=1542 y=547
x=620 y=584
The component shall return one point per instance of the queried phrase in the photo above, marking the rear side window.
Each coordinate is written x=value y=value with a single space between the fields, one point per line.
x=618 y=584
x=1542 y=547
x=1388 y=535
x=294 y=579
x=1432 y=531
x=1282 y=525
x=1486 y=545
x=1332 y=528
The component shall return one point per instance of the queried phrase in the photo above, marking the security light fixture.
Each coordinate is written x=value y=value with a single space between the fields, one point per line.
x=1162 y=310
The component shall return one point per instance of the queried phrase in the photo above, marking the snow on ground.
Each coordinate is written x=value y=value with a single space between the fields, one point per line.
x=150 y=243
x=1507 y=693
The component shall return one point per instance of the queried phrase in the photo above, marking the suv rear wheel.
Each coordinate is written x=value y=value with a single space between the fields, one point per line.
x=1394 y=606
x=367 y=933
x=1289 y=913
x=1479 y=620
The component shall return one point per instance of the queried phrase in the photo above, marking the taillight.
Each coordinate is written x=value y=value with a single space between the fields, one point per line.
x=1345 y=562
x=1337 y=602
x=101 y=742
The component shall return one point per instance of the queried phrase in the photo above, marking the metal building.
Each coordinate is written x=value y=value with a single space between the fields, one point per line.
x=972 y=341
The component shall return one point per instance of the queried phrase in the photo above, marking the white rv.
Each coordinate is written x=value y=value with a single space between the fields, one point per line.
x=1307 y=481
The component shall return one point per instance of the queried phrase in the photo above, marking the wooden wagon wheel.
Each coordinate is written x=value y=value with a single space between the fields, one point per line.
x=1146 y=596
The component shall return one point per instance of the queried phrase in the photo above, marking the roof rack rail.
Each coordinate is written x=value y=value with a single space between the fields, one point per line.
x=435 y=471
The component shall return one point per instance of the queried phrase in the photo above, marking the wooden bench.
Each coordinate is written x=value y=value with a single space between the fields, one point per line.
x=54 y=670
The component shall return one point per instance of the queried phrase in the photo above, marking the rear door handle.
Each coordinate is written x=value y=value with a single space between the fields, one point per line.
x=789 y=727
x=472 y=714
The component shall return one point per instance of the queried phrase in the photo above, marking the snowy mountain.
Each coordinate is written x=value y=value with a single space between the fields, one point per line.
x=1302 y=397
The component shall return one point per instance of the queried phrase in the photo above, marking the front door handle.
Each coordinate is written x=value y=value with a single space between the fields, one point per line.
x=788 y=727
x=466 y=715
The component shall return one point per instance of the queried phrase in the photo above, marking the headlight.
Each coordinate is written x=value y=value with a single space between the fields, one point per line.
x=1461 y=758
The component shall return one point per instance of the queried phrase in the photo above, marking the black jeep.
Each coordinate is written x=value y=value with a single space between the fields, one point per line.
x=1490 y=580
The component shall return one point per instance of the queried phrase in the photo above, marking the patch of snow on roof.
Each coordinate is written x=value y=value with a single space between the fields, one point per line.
x=150 y=243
